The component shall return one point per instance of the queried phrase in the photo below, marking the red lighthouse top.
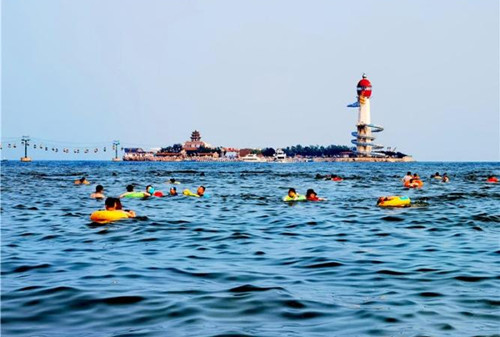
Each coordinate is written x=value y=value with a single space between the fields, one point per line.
x=364 y=87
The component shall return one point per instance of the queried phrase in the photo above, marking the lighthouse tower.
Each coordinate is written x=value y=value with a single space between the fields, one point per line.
x=364 y=90
x=365 y=129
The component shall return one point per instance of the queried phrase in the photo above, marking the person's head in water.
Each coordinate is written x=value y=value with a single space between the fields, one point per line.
x=83 y=179
x=292 y=193
x=99 y=189
x=110 y=204
x=408 y=173
x=130 y=188
x=415 y=175
x=118 y=204
x=172 y=180
x=173 y=191
x=310 y=193
x=202 y=174
x=200 y=191
x=437 y=174
x=150 y=189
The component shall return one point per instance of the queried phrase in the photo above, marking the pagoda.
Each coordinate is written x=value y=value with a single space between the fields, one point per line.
x=195 y=143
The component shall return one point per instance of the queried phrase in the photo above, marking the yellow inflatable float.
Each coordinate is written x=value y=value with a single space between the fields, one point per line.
x=394 y=201
x=108 y=216
x=188 y=193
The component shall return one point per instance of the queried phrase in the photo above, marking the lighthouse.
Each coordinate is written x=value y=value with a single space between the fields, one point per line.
x=365 y=147
x=364 y=91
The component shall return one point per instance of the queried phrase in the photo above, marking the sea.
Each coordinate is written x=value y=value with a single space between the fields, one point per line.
x=241 y=262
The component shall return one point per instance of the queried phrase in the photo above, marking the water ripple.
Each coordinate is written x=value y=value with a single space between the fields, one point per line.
x=244 y=263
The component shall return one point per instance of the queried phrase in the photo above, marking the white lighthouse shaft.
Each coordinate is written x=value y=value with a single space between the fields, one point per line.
x=364 y=132
x=364 y=111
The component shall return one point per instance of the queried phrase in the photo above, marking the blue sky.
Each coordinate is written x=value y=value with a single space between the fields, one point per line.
x=252 y=73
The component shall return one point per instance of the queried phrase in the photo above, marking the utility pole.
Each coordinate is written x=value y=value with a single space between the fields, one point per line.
x=116 y=143
x=25 y=141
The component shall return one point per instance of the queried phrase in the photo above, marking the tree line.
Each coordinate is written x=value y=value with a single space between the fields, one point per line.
x=309 y=150
x=290 y=151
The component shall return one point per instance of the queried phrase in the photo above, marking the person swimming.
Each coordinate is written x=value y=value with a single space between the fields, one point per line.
x=114 y=204
x=173 y=181
x=82 y=181
x=407 y=177
x=130 y=190
x=293 y=195
x=150 y=191
x=413 y=182
x=436 y=176
x=173 y=191
x=311 y=195
x=201 y=191
x=445 y=178
x=98 y=194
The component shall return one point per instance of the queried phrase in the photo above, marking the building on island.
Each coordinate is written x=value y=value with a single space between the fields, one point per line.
x=138 y=154
x=230 y=152
x=195 y=143
x=196 y=149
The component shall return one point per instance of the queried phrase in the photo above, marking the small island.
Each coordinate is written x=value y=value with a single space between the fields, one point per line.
x=195 y=149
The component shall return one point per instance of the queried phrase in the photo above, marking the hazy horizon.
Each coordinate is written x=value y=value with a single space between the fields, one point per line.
x=252 y=74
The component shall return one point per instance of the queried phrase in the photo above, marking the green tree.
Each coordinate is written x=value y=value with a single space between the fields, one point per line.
x=268 y=152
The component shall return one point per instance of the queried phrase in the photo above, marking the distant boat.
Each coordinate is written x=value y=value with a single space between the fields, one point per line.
x=252 y=158
x=280 y=156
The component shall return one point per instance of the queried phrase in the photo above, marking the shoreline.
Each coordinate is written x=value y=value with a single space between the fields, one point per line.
x=406 y=159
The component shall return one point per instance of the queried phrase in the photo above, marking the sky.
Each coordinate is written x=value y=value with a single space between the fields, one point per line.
x=261 y=73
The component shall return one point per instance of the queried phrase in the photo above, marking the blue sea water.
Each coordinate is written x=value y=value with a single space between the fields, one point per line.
x=244 y=263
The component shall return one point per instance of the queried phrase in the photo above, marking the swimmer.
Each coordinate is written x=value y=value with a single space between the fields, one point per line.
x=202 y=174
x=173 y=191
x=445 y=178
x=98 y=193
x=416 y=176
x=82 y=181
x=201 y=191
x=414 y=182
x=119 y=207
x=292 y=194
x=436 y=176
x=407 y=177
x=150 y=191
x=173 y=181
x=312 y=196
x=114 y=204
x=382 y=200
x=130 y=190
